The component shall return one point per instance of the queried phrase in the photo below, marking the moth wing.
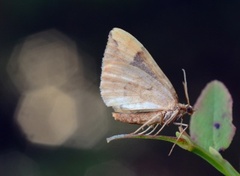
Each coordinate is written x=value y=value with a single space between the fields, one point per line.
x=131 y=81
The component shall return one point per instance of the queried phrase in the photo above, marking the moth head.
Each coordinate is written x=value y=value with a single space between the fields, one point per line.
x=186 y=109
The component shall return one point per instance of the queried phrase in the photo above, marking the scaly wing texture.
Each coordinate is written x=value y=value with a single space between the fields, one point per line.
x=131 y=81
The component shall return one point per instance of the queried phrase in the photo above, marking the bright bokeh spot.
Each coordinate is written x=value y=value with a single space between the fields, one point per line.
x=46 y=58
x=58 y=105
x=47 y=116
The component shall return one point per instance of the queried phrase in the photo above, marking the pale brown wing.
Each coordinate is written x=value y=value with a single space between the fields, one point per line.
x=131 y=81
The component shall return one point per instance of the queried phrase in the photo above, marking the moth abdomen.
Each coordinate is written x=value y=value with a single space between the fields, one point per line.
x=140 y=118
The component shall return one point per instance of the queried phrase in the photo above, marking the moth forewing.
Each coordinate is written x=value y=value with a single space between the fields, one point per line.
x=140 y=82
x=134 y=85
x=134 y=53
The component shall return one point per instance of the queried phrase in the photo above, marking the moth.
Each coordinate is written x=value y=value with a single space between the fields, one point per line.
x=136 y=88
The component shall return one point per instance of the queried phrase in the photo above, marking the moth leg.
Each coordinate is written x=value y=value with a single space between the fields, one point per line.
x=146 y=130
x=169 y=120
x=153 y=129
x=182 y=130
x=146 y=123
x=161 y=128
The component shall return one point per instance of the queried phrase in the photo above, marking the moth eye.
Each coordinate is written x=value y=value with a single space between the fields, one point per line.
x=189 y=110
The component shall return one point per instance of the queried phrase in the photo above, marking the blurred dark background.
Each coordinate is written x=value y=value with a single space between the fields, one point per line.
x=201 y=37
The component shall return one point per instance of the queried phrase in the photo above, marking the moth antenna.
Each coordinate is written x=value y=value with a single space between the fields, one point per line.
x=185 y=86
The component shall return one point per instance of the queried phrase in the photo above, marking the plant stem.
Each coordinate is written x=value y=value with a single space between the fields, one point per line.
x=185 y=142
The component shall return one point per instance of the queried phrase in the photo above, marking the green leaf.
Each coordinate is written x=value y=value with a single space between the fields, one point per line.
x=211 y=124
